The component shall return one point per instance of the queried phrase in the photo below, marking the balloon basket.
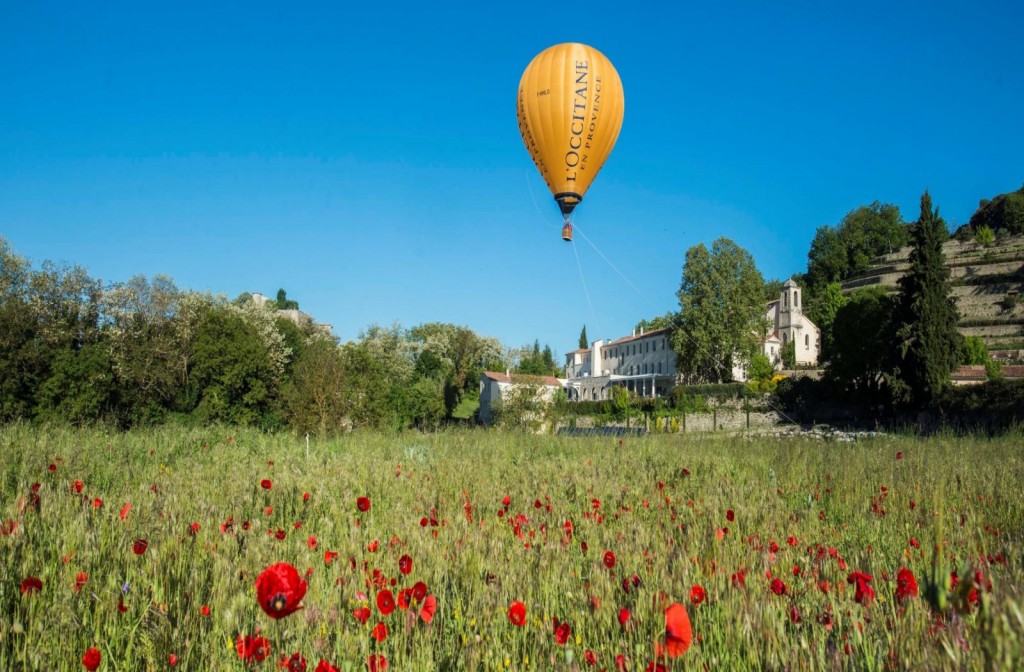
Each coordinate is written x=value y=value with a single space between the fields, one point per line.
x=567 y=233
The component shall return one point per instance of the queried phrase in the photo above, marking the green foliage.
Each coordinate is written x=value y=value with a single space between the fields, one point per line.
x=973 y=351
x=1002 y=214
x=788 y=354
x=926 y=317
x=721 y=311
x=863 y=234
x=985 y=236
x=584 y=343
x=80 y=388
x=666 y=321
x=284 y=303
x=861 y=357
x=315 y=396
x=822 y=312
x=993 y=370
x=536 y=362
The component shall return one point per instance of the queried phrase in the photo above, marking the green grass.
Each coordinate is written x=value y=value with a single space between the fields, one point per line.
x=660 y=524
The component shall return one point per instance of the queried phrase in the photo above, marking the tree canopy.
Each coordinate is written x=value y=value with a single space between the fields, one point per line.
x=864 y=233
x=721 y=311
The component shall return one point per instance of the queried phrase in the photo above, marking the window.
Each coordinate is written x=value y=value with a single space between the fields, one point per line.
x=807 y=340
x=659 y=367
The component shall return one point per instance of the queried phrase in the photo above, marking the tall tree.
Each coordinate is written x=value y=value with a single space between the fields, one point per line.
x=721 y=311
x=864 y=233
x=926 y=315
x=584 y=343
x=860 y=350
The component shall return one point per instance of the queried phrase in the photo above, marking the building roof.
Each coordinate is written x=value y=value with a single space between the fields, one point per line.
x=577 y=351
x=636 y=337
x=790 y=283
x=549 y=381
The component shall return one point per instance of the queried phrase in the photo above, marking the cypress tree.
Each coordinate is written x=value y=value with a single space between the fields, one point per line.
x=584 y=343
x=926 y=316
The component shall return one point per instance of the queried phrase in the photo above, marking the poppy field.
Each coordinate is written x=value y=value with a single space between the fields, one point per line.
x=227 y=549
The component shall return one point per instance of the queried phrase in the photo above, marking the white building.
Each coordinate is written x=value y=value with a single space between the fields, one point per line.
x=495 y=387
x=643 y=363
x=788 y=324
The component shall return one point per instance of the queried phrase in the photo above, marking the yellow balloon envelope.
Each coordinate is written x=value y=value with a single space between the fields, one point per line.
x=570 y=110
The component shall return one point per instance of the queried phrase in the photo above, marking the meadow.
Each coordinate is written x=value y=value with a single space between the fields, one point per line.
x=141 y=550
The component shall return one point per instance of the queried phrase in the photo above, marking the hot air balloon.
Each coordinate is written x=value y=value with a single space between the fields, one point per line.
x=570 y=110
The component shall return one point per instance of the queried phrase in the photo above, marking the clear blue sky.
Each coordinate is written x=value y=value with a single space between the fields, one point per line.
x=368 y=160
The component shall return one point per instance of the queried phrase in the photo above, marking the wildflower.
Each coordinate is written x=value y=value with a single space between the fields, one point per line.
x=204 y=610
x=76 y=487
x=385 y=602
x=906 y=585
x=697 y=594
x=172 y=660
x=30 y=584
x=419 y=591
x=311 y=542
x=428 y=609
x=362 y=614
x=80 y=580
x=139 y=546
x=91 y=658
x=266 y=484
x=678 y=633
x=562 y=632
x=379 y=632
x=517 y=613
x=778 y=586
x=97 y=503
x=405 y=564
x=377 y=663
x=730 y=515
x=624 y=615
x=280 y=589
x=324 y=666
x=609 y=559
x=254 y=649
x=363 y=504
x=294 y=664
x=865 y=593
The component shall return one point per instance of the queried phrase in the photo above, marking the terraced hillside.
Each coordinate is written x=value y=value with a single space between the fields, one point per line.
x=987 y=283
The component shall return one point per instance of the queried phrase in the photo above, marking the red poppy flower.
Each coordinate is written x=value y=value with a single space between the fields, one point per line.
x=363 y=504
x=609 y=559
x=419 y=591
x=311 y=542
x=97 y=503
x=730 y=515
x=906 y=585
x=204 y=610
x=266 y=484
x=915 y=543
x=865 y=593
x=778 y=586
x=8 y=527
x=30 y=584
x=377 y=663
x=91 y=659
x=329 y=556
x=379 y=632
x=655 y=666
x=372 y=546
x=324 y=666
x=139 y=546
x=562 y=632
x=80 y=580
x=590 y=657
x=517 y=613
x=172 y=660
x=254 y=649
x=678 y=634
x=121 y=606
x=405 y=564
x=899 y=455
x=428 y=609
x=624 y=615
x=362 y=614
x=385 y=602
x=124 y=510
x=294 y=664
x=51 y=467
x=76 y=487
x=280 y=589
x=698 y=594
x=404 y=598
